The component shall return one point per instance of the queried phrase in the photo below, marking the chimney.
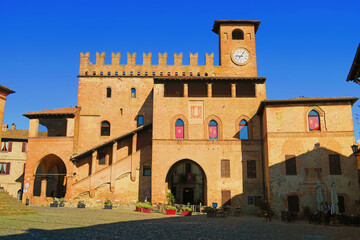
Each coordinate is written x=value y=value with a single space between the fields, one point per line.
x=4 y=127
x=13 y=126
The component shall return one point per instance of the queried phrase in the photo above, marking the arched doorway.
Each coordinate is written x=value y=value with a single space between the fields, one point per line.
x=187 y=182
x=53 y=170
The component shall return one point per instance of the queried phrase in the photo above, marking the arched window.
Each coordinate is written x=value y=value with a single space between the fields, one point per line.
x=179 y=129
x=140 y=120
x=105 y=128
x=213 y=130
x=243 y=130
x=314 y=120
x=108 y=92
x=237 y=34
x=133 y=93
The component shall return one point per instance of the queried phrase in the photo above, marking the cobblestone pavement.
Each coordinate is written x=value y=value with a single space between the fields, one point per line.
x=72 y=223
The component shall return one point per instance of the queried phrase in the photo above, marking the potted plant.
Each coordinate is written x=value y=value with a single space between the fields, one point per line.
x=147 y=207
x=55 y=203
x=108 y=204
x=170 y=210
x=170 y=198
x=81 y=204
x=210 y=212
x=62 y=202
x=186 y=210
x=139 y=206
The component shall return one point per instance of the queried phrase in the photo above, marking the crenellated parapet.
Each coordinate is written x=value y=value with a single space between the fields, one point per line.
x=147 y=68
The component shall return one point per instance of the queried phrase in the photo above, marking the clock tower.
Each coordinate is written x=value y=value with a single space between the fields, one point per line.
x=237 y=47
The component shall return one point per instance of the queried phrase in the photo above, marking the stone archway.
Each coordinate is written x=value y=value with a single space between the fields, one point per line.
x=50 y=177
x=187 y=181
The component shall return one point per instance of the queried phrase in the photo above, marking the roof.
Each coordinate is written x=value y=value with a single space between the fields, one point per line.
x=6 y=89
x=19 y=134
x=217 y=24
x=203 y=78
x=90 y=151
x=53 y=112
x=306 y=100
x=354 y=73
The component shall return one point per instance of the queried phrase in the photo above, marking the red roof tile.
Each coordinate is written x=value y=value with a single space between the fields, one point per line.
x=59 y=111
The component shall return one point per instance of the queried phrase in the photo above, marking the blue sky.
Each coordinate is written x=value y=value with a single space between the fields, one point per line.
x=304 y=48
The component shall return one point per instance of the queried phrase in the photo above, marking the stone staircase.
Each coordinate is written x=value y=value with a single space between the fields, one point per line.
x=12 y=206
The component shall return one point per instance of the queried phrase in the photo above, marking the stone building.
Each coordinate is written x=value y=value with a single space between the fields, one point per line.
x=205 y=133
x=354 y=73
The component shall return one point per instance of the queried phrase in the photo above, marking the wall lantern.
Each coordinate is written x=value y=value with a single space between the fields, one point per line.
x=355 y=148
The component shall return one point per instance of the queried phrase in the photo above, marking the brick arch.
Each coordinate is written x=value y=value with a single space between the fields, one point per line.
x=206 y=126
x=322 y=118
x=172 y=126
x=250 y=126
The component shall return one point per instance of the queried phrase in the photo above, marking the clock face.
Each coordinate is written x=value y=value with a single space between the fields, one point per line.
x=240 y=56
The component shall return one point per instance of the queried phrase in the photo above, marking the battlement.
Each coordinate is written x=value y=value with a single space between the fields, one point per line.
x=147 y=68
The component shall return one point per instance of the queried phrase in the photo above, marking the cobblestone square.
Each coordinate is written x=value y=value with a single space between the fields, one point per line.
x=72 y=223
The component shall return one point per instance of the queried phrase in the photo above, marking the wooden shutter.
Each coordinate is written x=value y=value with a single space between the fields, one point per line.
x=334 y=162
x=7 y=168
x=225 y=197
x=290 y=164
x=225 y=168
x=251 y=168
x=10 y=147
x=23 y=149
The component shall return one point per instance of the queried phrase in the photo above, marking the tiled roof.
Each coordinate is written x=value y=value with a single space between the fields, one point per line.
x=19 y=134
x=217 y=24
x=6 y=89
x=59 y=111
x=354 y=73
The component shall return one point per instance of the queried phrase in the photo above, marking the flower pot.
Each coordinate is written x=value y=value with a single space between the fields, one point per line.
x=108 y=207
x=80 y=206
x=146 y=210
x=186 y=213
x=170 y=212
x=53 y=205
x=210 y=214
x=139 y=209
x=62 y=205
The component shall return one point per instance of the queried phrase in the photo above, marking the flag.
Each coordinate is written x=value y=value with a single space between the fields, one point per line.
x=314 y=123
x=213 y=132
x=179 y=132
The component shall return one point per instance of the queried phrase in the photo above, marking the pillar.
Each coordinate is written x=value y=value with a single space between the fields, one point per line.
x=186 y=90
x=93 y=162
x=34 y=127
x=133 y=160
x=113 y=176
x=209 y=88
x=43 y=188
x=233 y=90
x=70 y=127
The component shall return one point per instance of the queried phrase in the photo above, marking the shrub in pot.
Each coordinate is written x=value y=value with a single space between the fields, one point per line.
x=108 y=204
x=186 y=210
x=62 y=202
x=147 y=208
x=210 y=212
x=55 y=203
x=139 y=206
x=81 y=204
x=170 y=210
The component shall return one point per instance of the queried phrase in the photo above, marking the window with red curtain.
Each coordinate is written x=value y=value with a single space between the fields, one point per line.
x=314 y=120
x=179 y=129
x=213 y=130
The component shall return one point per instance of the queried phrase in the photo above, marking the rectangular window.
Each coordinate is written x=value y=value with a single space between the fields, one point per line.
x=140 y=120
x=251 y=169
x=254 y=200
x=5 y=168
x=225 y=168
x=197 y=89
x=334 y=162
x=221 y=89
x=290 y=164
x=102 y=157
x=6 y=146
x=146 y=171
x=225 y=197
x=24 y=147
x=173 y=89
x=245 y=90
x=293 y=203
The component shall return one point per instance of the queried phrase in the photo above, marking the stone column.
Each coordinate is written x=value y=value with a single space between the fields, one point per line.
x=114 y=151
x=34 y=127
x=233 y=90
x=209 y=88
x=133 y=160
x=186 y=90
x=70 y=127
x=43 y=188
x=93 y=162
x=113 y=176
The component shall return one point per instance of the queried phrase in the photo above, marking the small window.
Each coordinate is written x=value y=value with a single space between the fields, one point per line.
x=334 y=162
x=94 y=73
x=213 y=130
x=86 y=73
x=198 y=74
x=124 y=73
x=293 y=203
x=225 y=168
x=109 y=73
x=254 y=200
x=146 y=73
x=243 y=130
x=183 y=73
x=251 y=169
x=5 y=168
x=168 y=73
x=138 y=73
x=314 y=120
x=237 y=34
x=102 y=157
x=140 y=120
x=116 y=73
x=176 y=73
x=6 y=146
x=153 y=73
x=161 y=73
x=105 y=128
x=133 y=93
x=108 y=92
x=206 y=74
x=179 y=129
x=131 y=73
x=190 y=73
x=101 y=73
x=290 y=164
x=147 y=171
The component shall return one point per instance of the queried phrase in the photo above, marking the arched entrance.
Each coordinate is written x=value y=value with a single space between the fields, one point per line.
x=187 y=182
x=51 y=174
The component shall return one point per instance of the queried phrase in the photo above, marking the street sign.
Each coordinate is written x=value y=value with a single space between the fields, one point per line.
x=214 y=204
